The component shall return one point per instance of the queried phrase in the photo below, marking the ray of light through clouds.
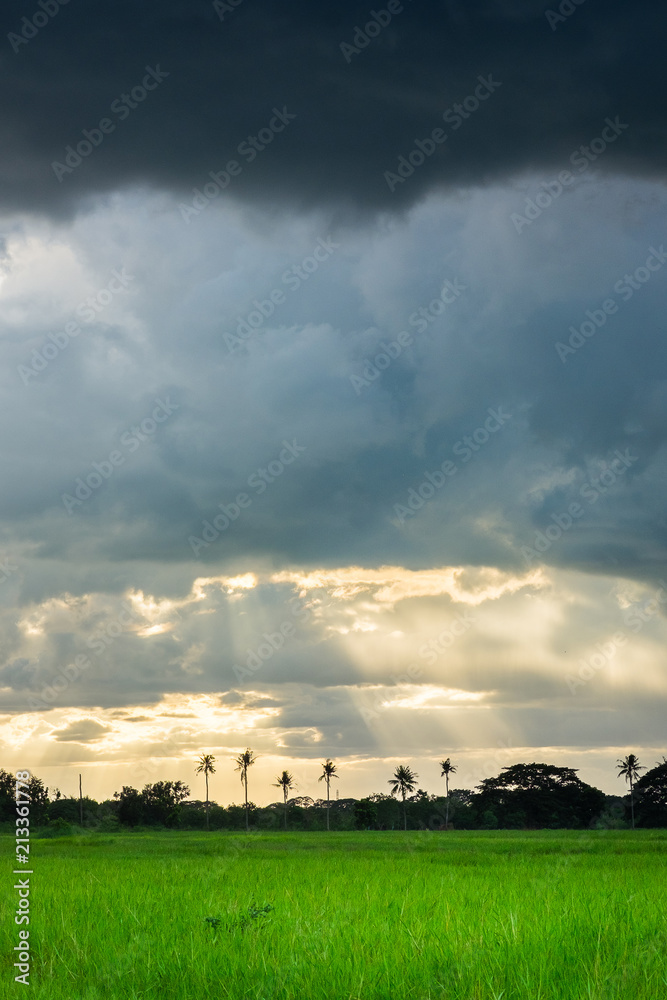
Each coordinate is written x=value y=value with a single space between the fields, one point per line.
x=358 y=450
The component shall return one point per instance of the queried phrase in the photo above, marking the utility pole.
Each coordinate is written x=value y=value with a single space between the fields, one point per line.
x=80 y=802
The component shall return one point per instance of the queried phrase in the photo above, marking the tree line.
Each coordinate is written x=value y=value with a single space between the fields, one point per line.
x=521 y=796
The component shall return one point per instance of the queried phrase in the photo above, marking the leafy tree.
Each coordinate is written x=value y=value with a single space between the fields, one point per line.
x=69 y=810
x=388 y=810
x=464 y=796
x=205 y=765
x=539 y=795
x=328 y=772
x=267 y=818
x=461 y=808
x=629 y=768
x=236 y=816
x=489 y=820
x=7 y=799
x=39 y=800
x=365 y=814
x=162 y=801
x=651 y=790
x=193 y=815
x=404 y=780
x=286 y=782
x=243 y=762
x=612 y=814
x=302 y=801
x=429 y=812
x=130 y=806
x=423 y=810
x=446 y=768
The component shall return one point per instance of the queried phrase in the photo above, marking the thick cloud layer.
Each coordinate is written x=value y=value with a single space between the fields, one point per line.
x=171 y=430
x=182 y=85
x=406 y=416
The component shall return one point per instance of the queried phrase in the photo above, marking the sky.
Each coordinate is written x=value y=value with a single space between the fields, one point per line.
x=334 y=389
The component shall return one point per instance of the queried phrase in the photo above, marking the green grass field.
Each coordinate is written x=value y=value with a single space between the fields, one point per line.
x=548 y=915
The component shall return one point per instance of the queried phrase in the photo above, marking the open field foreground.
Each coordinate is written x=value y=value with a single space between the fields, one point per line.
x=551 y=915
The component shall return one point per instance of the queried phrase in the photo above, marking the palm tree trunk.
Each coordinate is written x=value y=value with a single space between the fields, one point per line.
x=632 y=804
x=405 y=814
x=447 y=802
x=285 y=797
x=327 y=805
x=247 y=825
x=207 y=826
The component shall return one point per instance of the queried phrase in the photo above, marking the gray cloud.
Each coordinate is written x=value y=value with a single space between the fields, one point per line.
x=84 y=731
x=363 y=453
x=354 y=117
x=361 y=493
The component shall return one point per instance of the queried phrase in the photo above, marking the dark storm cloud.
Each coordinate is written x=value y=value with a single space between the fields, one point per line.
x=209 y=82
x=336 y=502
x=83 y=731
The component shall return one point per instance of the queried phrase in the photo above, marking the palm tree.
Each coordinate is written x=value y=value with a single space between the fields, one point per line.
x=629 y=768
x=447 y=768
x=206 y=762
x=328 y=772
x=286 y=782
x=243 y=762
x=404 y=780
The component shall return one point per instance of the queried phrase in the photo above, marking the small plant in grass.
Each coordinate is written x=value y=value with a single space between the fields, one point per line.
x=255 y=914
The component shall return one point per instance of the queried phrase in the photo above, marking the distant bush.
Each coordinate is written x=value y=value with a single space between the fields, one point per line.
x=522 y=797
x=651 y=795
x=58 y=828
